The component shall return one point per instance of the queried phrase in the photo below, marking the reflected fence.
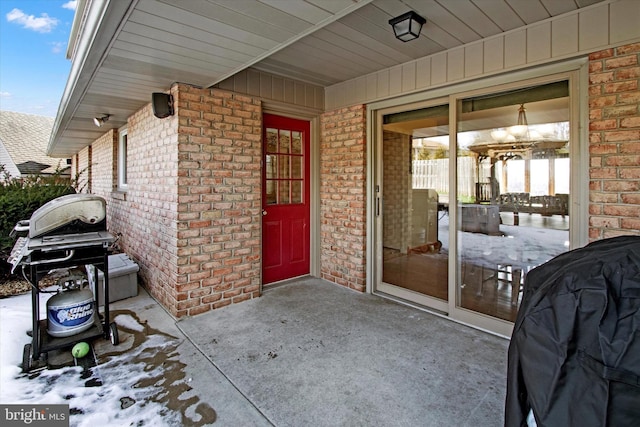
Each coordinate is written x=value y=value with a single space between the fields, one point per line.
x=434 y=174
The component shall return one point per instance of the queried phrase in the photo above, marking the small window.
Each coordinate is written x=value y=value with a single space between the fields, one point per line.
x=122 y=160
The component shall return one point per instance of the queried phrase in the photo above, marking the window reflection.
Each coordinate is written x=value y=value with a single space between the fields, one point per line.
x=284 y=171
x=513 y=216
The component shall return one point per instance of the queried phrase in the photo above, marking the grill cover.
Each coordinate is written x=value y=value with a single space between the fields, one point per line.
x=574 y=357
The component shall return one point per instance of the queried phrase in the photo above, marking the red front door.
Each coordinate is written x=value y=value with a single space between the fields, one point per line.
x=285 y=220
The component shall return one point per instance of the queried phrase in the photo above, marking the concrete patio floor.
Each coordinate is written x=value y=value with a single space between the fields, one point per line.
x=313 y=353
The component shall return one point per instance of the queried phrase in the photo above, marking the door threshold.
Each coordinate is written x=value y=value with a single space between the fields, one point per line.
x=439 y=313
x=274 y=285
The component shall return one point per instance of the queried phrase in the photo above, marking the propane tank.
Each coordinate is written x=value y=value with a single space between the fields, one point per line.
x=72 y=309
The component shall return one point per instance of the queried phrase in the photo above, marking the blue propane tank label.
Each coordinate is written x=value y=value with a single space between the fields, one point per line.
x=72 y=316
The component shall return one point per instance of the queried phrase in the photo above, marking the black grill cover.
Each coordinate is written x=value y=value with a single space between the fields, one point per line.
x=574 y=356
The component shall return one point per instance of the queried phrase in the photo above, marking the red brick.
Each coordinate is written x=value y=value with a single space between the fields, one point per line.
x=632 y=211
x=211 y=298
x=630 y=223
x=621 y=186
x=199 y=309
x=629 y=98
x=595 y=137
x=627 y=49
x=628 y=73
x=596 y=66
x=630 y=122
x=631 y=198
x=221 y=304
x=198 y=293
x=602 y=101
x=627 y=160
x=604 y=222
x=603 y=173
x=603 y=197
x=603 y=125
x=625 y=86
x=621 y=61
x=622 y=135
x=607 y=53
x=595 y=91
x=599 y=78
x=630 y=173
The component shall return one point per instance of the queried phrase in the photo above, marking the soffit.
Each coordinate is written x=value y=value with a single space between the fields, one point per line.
x=144 y=46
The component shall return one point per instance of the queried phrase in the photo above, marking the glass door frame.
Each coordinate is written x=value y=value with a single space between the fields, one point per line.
x=386 y=288
x=576 y=73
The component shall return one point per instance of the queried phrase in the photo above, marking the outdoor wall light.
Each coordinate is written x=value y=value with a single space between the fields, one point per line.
x=407 y=26
x=162 y=104
x=99 y=121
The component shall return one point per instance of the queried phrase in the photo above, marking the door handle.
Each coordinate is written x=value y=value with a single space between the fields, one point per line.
x=264 y=212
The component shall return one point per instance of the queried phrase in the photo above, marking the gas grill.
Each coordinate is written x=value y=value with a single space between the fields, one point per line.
x=69 y=231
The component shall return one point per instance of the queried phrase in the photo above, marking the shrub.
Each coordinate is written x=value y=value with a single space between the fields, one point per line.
x=20 y=197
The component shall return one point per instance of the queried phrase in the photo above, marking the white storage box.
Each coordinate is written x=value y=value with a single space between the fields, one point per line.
x=123 y=278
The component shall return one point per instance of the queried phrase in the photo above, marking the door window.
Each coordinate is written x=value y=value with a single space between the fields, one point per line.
x=415 y=190
x=519 y=221
x=284 y=166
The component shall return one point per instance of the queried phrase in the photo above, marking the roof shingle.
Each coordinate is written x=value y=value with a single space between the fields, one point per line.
x=25 y=138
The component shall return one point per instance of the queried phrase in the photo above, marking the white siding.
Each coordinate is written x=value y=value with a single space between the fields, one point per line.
x=564 y=36
x=568 y=36
x=593 y=40
x=539 y=42
x=624 y=20
x=275 y=88
x=474 y=59
x=493 y=55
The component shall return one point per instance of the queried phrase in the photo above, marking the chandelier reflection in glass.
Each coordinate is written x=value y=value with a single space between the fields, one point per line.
x=520 y=132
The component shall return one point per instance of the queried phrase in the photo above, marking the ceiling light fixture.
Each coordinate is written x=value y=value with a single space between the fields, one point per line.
x=521 y=130
x=99 y=121
x=407 y=26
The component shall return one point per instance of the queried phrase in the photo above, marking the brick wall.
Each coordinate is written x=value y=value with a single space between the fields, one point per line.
x=191 y=214
x=614 y=142
x=82 y=170
x=73 y=168
x=219 y=198
x=343 y=196
x=146 y=214
x=103 y=159
x=103 y=152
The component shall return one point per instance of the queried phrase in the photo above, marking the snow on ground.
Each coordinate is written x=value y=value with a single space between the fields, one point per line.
x=143 y=383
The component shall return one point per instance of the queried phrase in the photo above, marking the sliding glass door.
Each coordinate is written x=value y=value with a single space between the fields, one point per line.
x=472 y=191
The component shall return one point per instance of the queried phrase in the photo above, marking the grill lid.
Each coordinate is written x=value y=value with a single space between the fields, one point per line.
x=71 y=213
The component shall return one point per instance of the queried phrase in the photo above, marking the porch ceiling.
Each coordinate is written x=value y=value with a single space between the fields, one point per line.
x=122 y=51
